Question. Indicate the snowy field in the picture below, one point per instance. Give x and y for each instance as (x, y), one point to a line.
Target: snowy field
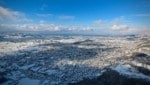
(32, 59)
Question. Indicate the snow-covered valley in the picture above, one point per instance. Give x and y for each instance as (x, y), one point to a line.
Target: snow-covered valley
(27, 59)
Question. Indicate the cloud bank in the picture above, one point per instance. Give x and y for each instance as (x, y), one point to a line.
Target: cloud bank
(42, 27)
(116, 24)
(119, 27)
(11, 20)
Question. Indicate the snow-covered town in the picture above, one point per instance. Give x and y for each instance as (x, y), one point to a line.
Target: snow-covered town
(34, 59)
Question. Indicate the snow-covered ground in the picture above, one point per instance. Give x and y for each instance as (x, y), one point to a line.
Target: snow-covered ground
(32, 59)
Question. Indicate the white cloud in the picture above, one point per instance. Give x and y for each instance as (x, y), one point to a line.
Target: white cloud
(42, 27)
(8, 15)
(99, 22)
(65, 17)
(76, 28)
(44, 15)
(100, 25)
(117, 24)
(29, 27)
(120, 27)
(118, 20)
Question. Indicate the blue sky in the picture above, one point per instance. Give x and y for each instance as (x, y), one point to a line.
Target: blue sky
(75, 15)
